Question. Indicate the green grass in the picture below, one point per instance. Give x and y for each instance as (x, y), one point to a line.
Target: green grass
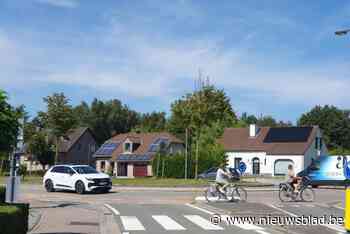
(154, 182)
(146, 182)
(27, 180)
(8, 209)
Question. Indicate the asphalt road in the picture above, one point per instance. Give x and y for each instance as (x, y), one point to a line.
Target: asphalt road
(175, 211)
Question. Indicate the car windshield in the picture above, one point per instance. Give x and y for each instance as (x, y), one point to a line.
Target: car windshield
(85, 170)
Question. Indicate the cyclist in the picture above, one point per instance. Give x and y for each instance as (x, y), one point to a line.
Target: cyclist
(222, 176)
(293, 180)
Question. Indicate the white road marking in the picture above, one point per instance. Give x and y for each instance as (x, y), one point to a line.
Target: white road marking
(167, 223)
(131, 223)
(202, 222)
(242, 226)
(202, 198)
(337, 228)
(201, 209)
(112, 209)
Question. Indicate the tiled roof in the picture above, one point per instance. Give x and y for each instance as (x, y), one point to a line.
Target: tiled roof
(144, 139)
(238, 140)
(71, 137)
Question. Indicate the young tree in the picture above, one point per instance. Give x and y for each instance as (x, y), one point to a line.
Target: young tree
(40, 147)
(198, 110)
(60, 117)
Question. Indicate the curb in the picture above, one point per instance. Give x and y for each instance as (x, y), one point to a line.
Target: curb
(37, 218)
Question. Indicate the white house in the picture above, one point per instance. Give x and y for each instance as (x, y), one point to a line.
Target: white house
(269, 151)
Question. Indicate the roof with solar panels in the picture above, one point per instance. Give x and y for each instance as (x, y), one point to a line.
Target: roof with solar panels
(145, 146)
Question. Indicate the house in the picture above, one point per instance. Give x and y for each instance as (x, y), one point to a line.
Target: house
(131, 154)
(269, 151)
(77, 146)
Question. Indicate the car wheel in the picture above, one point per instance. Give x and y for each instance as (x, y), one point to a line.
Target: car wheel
(49, 186)
(80, 187)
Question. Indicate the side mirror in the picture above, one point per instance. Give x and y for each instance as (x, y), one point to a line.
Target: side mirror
(71, 173)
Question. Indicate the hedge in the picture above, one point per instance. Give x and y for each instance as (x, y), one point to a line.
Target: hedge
(2, 194)
(14, 218)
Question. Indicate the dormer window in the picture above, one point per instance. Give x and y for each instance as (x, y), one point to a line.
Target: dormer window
(127, 147)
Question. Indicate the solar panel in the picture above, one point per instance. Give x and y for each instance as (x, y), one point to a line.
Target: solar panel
(107, 148)
(155, 146)
(292, 134)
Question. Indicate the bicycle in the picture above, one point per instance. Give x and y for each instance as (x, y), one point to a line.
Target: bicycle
(233, 192)
(305, 192)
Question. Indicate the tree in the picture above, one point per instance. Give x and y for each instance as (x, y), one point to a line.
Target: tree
(41, 149)
(8, 124)
(198, 110)
(249, 119)
(60, 116)
(152, 122)
(334, 123)
(8, 128)
(267, 121)
(106, 119)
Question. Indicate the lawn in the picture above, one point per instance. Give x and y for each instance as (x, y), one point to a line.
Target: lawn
(27, 180)
(146, 182)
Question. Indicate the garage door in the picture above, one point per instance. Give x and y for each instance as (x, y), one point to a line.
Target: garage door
(140, 170)
(281, 166)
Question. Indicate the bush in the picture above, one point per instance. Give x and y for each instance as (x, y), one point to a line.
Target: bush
(2, 194)
(22, 170)
(14, 219)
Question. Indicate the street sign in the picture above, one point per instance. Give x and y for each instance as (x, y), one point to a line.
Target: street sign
(346, 167)
(242, 167)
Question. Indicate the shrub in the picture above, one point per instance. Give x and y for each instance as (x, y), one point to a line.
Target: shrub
(22, 170)
(14, 219)
(2, 194)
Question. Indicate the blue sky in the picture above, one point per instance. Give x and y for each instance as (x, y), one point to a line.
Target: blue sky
(276, 58)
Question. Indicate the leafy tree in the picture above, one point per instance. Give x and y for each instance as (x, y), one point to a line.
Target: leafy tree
(59, 116)
(334, 123)
(8, 124)
(249, 119)
(267, 121)
(152, 122)
(106, 119)
(199, 109)
(41, 149)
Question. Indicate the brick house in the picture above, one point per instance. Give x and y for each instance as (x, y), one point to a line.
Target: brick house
(131, 154)
(77, 146)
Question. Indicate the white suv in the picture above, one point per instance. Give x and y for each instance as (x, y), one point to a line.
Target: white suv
(79, 178)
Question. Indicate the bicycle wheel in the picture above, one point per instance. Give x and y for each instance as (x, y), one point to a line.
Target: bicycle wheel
(308, 195)
(211, 194)
(239, 194)
(285, 194)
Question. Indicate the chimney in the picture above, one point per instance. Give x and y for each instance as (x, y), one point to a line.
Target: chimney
(253, 129)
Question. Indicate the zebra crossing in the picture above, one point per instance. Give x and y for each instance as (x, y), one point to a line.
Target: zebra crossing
(132, 223)
(184, 219)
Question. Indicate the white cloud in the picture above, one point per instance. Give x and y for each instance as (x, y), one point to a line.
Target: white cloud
(60, 3)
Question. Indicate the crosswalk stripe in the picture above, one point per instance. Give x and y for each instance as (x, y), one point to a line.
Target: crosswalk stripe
(131, 223)
(167, 223)
(203, 223)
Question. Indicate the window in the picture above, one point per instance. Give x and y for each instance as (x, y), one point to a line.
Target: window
(103, 164)
(58, 169)
(127, 147)
(237, 161)
(321, 142)
(316, 143)
(68, 170)
(79, 146)
(256, 166)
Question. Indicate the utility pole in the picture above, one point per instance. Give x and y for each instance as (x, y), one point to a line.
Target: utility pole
(197, 149)
(186, 153)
